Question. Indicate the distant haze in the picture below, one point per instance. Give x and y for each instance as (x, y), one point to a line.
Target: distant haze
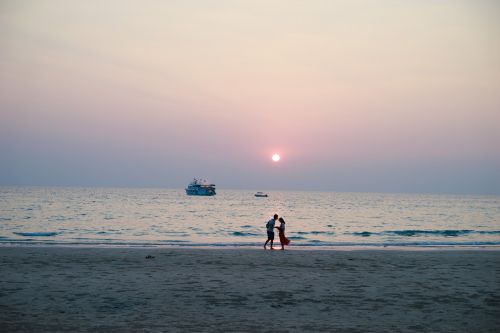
(399, 96)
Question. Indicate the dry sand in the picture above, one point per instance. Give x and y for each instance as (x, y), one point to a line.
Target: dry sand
(45, 289)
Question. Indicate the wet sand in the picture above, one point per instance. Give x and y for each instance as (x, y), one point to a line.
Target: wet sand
(62, 289)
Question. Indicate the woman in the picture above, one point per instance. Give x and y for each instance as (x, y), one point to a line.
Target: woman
(281, 231)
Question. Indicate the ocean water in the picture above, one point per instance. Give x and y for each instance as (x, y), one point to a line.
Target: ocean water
(167, 217)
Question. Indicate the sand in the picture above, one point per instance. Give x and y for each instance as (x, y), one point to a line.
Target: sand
(63, 289)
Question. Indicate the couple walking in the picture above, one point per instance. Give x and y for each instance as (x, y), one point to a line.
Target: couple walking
(281, 232)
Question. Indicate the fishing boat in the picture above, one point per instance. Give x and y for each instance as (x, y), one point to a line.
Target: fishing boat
(261, 195)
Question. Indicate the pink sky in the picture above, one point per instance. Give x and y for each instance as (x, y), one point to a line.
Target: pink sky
(355, 95)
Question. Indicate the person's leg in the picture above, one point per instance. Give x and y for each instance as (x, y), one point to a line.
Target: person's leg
(270, 237)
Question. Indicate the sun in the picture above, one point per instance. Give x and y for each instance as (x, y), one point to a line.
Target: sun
(276, 158)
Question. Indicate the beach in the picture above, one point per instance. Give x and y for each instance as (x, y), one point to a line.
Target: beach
(83, 289)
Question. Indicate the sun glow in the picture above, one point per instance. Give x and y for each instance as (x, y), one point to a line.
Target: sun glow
(276, 157)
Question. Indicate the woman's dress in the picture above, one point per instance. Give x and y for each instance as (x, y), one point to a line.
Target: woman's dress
(283, 239)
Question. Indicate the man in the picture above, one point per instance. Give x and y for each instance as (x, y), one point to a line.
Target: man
(270, 231)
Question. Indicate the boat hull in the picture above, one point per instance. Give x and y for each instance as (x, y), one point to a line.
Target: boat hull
(201, 192)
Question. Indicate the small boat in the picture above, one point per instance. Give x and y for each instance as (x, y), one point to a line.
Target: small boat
(200, 187)
(261, 195)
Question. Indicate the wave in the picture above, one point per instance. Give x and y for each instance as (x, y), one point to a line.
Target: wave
(175, 233)
(36, 234)
(411, 233)
(489, 232)
(175, 241)
(58, 218)
(314, 233)
(244, 234)
(114, 232)
(446, 233)
(363, 234)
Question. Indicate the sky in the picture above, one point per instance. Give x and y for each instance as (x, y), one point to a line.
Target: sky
(376, 96)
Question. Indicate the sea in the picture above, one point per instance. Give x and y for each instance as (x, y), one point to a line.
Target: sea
(156, 217)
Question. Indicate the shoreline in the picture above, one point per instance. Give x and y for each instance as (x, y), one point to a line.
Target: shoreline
(409, 248)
